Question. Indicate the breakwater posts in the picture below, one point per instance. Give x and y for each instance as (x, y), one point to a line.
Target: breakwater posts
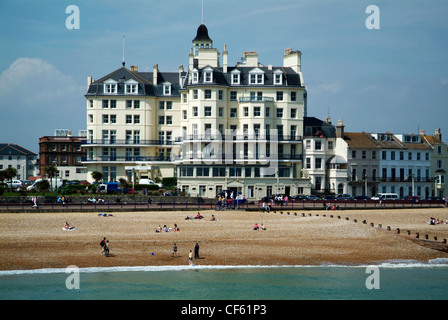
(379, 226)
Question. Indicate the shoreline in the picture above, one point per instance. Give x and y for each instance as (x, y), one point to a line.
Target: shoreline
(36, 241)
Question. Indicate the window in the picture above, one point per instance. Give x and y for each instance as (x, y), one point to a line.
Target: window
(113, 104)
(184, 112)
(110, 87)
(278, 76)
(161, 105)
(293, 113)
(257, 111)
(128, 118)
(195, 94)
(208, 111)
(279, 112)
(220, 94)
(293, 96)
(195, 111)
(136, 118)
(161, 120)
(195, 76)
(131, 88)
(267, 112)
(330, 145)
(167, 89)
(113, 118)
(246, 111)
(308, 163)
(208, 94)
(232, 95)
(317, 145)
(90, 118)
(208, 75)
(136, 104)
(105, 104)
(221, 112)
(257, 78)
(233, 113)
(279, 95)
(169, 119)
(169, 105)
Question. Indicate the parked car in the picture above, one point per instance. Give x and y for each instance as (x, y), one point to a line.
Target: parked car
(312, 197)
(361, 198)
(149, 181)
(385, 196)
(16, 184)
(328, 197)
(299, 197)
(343, 196)
(413, 198)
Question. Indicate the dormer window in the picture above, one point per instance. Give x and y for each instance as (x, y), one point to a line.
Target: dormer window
(208, 75)
(195, 76)
(110, 87)
(131, 87)
(278, 77)
(167, 89)
(256, 76)
(236, 77)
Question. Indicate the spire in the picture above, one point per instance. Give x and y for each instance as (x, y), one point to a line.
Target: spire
(123, 62)
(202, 16)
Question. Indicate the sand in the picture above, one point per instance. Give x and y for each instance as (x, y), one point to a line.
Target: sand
(36, 240)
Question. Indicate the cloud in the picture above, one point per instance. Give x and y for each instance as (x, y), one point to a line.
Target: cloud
(29, 82)
(36, 98)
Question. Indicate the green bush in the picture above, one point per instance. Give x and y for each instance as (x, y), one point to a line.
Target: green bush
(149, 187)
(169, 182)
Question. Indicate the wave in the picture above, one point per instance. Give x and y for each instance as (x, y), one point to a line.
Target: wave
(390, 264)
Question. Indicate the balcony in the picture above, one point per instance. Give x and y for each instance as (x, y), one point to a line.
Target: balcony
(127, 159)
(239, 138)
(125, 142)
(255, 99)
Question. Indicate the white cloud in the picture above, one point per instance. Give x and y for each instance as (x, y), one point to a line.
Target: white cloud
(29, 82)
(35, 99)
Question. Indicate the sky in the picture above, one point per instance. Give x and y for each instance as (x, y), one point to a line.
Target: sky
(390, 78)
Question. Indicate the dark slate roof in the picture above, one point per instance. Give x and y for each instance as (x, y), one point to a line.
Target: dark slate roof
(202, 34)
(290, 79)
(14, 149)
(147, 88)
(144, 79)
(315, 127)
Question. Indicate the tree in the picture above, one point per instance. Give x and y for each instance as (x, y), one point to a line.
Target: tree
(51, 171)
(97, 176)
(9, 174)
(42, 186)
(123, 184)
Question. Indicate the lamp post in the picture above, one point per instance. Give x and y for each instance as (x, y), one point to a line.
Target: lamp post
(412, 184)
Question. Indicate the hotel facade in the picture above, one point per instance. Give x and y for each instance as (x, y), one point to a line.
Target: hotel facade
(213, 126)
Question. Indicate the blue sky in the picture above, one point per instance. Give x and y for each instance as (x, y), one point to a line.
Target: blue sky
(391, 79)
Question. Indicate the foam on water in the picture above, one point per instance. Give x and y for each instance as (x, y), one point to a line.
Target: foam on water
(439, 262)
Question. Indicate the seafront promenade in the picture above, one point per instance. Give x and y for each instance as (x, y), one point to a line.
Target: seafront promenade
(170, 203)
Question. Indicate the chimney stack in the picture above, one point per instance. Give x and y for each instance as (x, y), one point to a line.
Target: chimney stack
(155, 71)
(438, 134)
(340, 129)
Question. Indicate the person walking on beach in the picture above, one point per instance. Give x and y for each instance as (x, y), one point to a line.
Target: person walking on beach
(174, 249)
(106, 248)
(190, 258)
(103, 245)
(196, 251)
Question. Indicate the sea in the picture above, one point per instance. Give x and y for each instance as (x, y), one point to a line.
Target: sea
(391, 280)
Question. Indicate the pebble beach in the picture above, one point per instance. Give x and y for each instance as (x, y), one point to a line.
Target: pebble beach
(37, 240)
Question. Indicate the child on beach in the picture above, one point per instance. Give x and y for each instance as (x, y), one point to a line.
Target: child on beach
(190, 258)
(174, 249)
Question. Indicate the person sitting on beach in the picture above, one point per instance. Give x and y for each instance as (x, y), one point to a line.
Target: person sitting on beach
(262, 227)
(256, 226)
(67, 226)
(165, 228)
(188, 218)
(159, 229)
(176, 229)
(199, 216)
(213, 218)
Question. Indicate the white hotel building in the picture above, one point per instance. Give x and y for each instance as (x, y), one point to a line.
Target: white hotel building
(213, 126)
